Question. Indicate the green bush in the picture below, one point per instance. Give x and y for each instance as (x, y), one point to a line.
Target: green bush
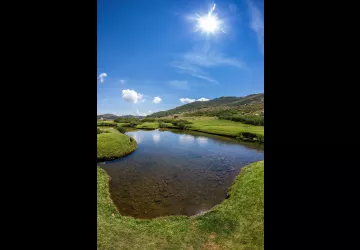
(99, 131)
(133, 124)
(181, 124)
(166, 120)
(176, 122)
(127, 119)
(105, 124)
(253, 120)
(246, 136)
(121, 130)
(162, 125)
(147, 119)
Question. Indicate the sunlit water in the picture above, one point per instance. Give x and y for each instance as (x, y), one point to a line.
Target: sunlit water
(173, 173)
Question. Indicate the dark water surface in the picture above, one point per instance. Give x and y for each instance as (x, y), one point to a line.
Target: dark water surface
(173, 173)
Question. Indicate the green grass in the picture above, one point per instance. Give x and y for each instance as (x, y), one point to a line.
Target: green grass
(236, 223)
(120, 124)
(222, 127)
(113, 145)
(148, 125)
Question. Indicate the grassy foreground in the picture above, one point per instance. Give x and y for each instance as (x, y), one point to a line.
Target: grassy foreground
(236, 223)
(112, 144)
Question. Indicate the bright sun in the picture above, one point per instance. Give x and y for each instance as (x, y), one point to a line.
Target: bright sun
(208, 23)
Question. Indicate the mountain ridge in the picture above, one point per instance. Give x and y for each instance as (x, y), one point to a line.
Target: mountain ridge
(246, 105)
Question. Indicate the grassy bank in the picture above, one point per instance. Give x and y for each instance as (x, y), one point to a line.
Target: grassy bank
(148, 125)
(223, 127)
(237, 223)
(112, 144)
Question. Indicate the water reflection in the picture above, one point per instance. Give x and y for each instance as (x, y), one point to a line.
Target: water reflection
(186, 139)
(138, 137)
(202, 140)
(175, 173)
(156, 137)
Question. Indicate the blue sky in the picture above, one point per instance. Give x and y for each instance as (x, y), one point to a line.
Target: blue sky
(157, 55)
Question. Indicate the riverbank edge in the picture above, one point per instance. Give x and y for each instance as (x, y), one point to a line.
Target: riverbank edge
(120, 154)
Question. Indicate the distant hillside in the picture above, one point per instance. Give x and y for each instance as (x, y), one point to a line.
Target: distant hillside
(113, 117)
(248, 105)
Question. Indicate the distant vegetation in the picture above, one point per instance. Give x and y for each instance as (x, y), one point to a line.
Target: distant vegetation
(126, 119)
(253, 120)
(148, 119)
(106, 124)
(113, 117)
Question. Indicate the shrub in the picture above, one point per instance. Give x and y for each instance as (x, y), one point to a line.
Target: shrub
(253, 120)
(175, 123)
(147, 119)
(121, 130)
(166, 120)
(181, 125)
(106, 124)
(246, 136)
(133, 124)
(162, 125)
(99, 131)
(127, 119)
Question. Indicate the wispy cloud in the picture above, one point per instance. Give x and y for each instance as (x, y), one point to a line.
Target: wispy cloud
(186, 68)
(179, 84)
(212, 59)
(196, 61)
(101, 77)
(122, 81)
(257, 24)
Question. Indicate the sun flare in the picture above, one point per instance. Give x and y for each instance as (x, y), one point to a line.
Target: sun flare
(208, 23)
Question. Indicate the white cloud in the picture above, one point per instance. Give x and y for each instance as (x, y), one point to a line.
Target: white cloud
(156, 137)
(202, 99)
(138, 137)
(186, 139)
(156, 100)
(202, 140)
(188, 100)
(257, 24)
(101, 77)
(122, 81)
(131, 96)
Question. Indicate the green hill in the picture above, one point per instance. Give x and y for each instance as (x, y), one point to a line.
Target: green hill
(247, 105)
